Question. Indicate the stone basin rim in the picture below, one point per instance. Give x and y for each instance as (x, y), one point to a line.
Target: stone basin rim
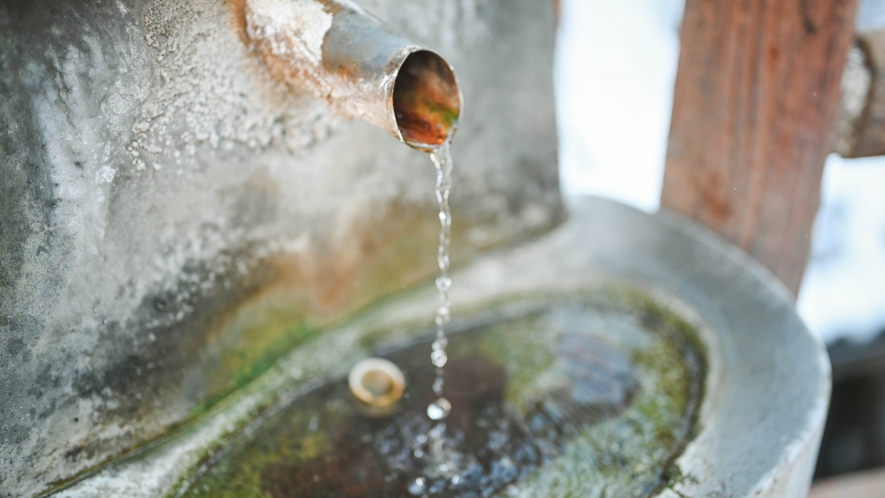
(761, 358)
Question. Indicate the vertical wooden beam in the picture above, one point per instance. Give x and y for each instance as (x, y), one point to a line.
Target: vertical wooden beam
(757, 94)
(868, 137)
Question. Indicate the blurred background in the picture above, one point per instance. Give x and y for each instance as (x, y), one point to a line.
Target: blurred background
(615, 73)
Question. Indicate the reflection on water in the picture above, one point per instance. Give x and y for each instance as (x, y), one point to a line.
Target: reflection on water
(531, 397)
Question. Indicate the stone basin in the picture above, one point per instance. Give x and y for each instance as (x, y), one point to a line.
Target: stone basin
(681, 320)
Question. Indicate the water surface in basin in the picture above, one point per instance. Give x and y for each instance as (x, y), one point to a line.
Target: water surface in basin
(576, 397)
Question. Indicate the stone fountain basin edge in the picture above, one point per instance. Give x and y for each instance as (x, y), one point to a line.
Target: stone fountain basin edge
(766, 390)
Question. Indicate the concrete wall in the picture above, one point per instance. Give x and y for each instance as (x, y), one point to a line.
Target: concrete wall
(154, 177)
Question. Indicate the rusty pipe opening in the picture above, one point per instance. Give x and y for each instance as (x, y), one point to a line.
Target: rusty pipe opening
(357, 65)
(426, 100)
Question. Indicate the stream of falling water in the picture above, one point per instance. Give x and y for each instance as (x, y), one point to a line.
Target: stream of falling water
(433, 445)
(442, 159)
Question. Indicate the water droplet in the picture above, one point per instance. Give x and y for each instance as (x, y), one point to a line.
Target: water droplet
(443, 283)
(418, 486)
(440, 343)
(439, 409)
(438, 384)
(437, 430)
(439, 358)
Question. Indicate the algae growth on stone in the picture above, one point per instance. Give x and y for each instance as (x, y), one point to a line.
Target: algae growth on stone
(577, 396)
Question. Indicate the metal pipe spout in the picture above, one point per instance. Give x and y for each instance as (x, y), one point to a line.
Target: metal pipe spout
(359, 66)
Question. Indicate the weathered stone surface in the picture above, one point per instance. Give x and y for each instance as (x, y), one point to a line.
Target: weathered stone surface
(765, 390)
(153, 176)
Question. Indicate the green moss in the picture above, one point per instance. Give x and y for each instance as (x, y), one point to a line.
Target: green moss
(524, 349)
(243, 476)
(675, 476)
(652, 432)
(630, 452)
(244, 365)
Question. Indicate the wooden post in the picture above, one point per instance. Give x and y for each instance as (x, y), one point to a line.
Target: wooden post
(867, 136)
(756, 99)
